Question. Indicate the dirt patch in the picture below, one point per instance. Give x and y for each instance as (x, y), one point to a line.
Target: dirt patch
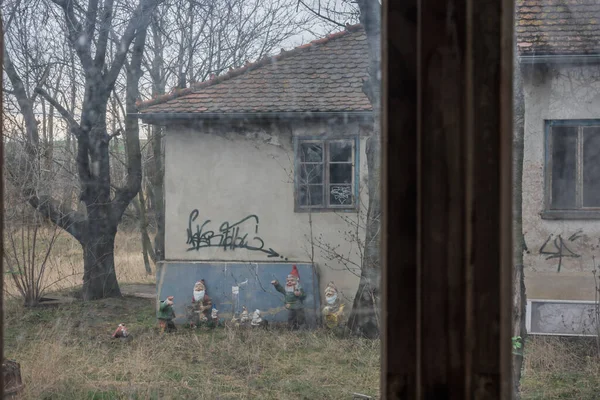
(143, 290)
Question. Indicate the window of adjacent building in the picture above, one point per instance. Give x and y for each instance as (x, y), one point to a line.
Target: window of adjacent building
(573, 169)
(326, 174)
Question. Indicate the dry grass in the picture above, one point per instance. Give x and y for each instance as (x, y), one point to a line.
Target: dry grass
(65, 268)
(68, 354)
(561, 368)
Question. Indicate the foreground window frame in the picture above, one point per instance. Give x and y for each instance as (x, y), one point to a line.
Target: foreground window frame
(578, 210)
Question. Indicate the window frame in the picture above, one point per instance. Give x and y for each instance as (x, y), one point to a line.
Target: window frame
(326, 207)
(580, 212)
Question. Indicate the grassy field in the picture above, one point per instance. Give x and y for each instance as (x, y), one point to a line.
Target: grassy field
(561, 368)
(65, 265)
(67, 352)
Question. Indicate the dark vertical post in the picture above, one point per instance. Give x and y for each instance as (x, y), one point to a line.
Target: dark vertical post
(399, 174)
(447, 140)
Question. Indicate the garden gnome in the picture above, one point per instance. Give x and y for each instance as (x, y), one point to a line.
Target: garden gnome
(214, 317)
(334, 308)
(294, 295)
(166, 314)
(244, 318)
(201, 306)
(120, 332)
(257, 319)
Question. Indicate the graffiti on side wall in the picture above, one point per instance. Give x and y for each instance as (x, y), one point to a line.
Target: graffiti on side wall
(555, 247)
(229, 236)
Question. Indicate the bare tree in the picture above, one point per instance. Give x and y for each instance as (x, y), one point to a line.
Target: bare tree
(363, 318)
(88, 32)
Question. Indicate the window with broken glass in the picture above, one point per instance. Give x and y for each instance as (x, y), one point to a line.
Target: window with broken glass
(572, 172)
(325, 174)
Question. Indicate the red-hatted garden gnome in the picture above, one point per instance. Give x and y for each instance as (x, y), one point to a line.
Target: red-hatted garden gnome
(120, 332)
(334, 308)
(200, 309)
(166, 314)
(294, 297)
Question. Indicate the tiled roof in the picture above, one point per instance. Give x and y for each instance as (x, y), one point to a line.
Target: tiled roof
(324, 75)
(558, 27)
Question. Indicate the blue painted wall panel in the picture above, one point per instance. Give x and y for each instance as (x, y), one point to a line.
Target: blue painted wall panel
(254, 282)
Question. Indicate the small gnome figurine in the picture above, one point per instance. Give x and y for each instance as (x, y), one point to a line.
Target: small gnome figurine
(257, 320)
(334, 308)
(214, 317)
(200, 309)
(120, 332)
(166, 314)
(244, 318)
(294, 296)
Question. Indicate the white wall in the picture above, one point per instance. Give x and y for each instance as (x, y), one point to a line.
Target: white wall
(228, 173)
(558, 92)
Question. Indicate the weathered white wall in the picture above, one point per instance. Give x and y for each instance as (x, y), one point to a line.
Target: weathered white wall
(558, 92)
(228, 173)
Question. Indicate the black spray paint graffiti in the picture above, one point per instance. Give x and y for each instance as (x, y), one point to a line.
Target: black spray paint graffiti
(228, 237)
(560, 250)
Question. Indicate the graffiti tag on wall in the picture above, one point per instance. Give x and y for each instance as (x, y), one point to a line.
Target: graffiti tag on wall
(229, 236)
(558, 248)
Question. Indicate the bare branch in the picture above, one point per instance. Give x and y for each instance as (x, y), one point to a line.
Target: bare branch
(318, 14)
(137, 26)
(65, 114)
(78, 37)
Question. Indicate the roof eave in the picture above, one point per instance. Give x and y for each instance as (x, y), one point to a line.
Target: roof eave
(157, 118)
(560, 59)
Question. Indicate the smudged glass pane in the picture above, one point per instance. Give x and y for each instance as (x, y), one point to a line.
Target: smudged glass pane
(311, 152)
(340, 173)
(312, 197)
(591, 167)
(564, 167)
(340, 195)
(340, 151)
(311, 173)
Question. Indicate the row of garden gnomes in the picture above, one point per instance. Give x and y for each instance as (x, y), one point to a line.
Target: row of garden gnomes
(202, 311)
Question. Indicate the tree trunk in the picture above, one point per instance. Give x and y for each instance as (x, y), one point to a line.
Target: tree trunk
(157, 194)
(364, 317)
(99, 278)
(519, 296)
(140, 208)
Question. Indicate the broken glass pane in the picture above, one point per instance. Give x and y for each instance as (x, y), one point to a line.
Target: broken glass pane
(564, 167)
(311, 152)
(340, 173)
(591, 167)
(340, 195)
(340, 151)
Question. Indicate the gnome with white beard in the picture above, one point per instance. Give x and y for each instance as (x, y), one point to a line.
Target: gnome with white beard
(294, 297)
(200, 309)
(257, 320)
(334, 308)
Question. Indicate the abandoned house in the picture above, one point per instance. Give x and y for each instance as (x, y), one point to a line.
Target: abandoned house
(265, 168)
(559, 55)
